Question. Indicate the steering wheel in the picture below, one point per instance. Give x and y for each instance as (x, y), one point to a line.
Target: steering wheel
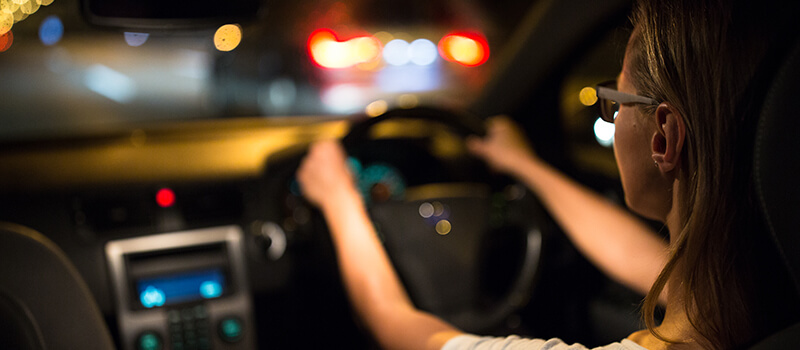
(444, 239)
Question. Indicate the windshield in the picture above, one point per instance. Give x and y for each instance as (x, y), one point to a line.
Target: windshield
(62, 76)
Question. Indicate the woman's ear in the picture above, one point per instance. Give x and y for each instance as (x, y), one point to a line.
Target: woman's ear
(668, 138)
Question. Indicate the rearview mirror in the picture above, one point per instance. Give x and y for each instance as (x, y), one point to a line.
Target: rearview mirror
(168, 14)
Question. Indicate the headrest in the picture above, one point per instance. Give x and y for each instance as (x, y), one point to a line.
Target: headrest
(777, 161)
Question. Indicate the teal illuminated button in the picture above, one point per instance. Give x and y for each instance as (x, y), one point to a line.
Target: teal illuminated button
(152, 296)
(149, 341)
(210, 289)
(230, 329)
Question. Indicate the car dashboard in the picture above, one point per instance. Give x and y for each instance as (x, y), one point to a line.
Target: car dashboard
(199, 234)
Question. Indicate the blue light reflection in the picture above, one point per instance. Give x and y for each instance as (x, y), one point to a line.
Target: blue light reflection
(136, 39)
(409, 78)
(110, 83)
(51, 30)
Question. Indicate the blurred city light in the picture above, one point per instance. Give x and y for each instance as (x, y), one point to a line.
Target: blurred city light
(9, 6)
(51, 30)
(29, 7)
(110, 83)
(409, 78)
(377, 108)
(277, 96)
(407, 101)
(396, 52)
(588, 96)
(14, 11)
(443, 227)
(423, 52)
(136, 39)
(468, 49)
(604, 132)
(228, 37)
(326, 50)
(343, 98)
(6, 40)
(6, 21)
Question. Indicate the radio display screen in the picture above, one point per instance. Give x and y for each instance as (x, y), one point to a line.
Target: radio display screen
(182, 287)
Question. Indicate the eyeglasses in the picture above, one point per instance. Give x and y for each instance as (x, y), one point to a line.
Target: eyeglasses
(611, 99)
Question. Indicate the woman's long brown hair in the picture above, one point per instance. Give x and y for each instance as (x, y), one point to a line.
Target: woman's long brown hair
(701, 56)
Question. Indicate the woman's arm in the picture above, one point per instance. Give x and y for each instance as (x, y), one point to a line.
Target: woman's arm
(369, 277)
(616, 241)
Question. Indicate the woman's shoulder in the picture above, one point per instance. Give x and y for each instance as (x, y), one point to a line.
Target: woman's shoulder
(513, 342)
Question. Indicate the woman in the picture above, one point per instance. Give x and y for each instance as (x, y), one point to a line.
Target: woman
(683, 145)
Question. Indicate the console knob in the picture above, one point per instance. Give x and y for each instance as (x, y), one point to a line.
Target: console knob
(231, 330)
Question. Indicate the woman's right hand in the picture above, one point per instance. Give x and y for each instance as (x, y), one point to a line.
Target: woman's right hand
(324, 175)
(504, 147)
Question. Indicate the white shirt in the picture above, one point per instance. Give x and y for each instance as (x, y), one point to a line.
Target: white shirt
(473, 342)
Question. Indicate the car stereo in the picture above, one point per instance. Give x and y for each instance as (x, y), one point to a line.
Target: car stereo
(182, 290)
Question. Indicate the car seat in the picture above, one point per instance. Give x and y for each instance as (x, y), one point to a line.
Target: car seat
(777, 172)
(44, 302)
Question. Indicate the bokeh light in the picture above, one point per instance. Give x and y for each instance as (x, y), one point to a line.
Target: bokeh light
(29, 7)
(19, 15)
(443, 227)
(14, 11)
(6, 21)
(165, 197)
(8, 6)
(327, 51)
(426, 210)
(343, 98)
(396, 52)
(377, 108)
(6, 40)
(110, 83)
(136, 39)
(228, 37)
(407, 101)
(383, 37)
(604, 132)
(51, 30)
(423, 52)
(588, 96)
(468, 49)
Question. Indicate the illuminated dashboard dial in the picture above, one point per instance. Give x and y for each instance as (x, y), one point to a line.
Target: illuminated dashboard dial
(378, 182)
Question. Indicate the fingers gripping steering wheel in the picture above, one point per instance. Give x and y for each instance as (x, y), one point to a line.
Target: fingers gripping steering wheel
(443, 243)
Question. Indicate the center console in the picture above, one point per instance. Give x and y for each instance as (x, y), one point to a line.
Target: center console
(183, 290)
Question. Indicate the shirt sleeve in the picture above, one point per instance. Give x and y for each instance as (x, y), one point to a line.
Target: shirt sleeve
(473, 342)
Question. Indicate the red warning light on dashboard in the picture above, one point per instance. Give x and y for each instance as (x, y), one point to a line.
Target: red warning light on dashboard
(466, 48)
(165, 198)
